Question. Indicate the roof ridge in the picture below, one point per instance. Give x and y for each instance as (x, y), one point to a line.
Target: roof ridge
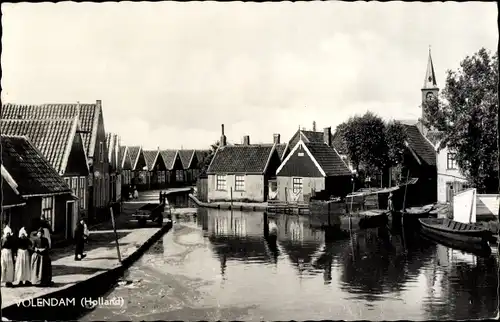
(69, 119)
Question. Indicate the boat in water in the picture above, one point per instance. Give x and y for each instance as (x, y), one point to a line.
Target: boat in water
(481, 250)
(456, 233)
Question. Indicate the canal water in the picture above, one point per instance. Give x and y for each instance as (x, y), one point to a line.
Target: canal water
(222, 265)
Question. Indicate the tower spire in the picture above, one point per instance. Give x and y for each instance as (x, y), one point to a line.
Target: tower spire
(430, 75)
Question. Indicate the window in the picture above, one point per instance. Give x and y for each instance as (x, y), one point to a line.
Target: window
(221, 182)
(297, 185)
(68, 181)
(48, 210)
(74, 188)
(81, 187)
(450, 162)
(239, 182)
(101, 152)
(179, 175)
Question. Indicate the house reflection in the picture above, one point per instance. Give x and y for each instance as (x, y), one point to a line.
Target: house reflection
(299, 241)
(236, 235)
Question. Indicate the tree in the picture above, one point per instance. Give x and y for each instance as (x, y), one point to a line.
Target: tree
(207, 157)
(395, 137)
(366, 143)
(466, 114)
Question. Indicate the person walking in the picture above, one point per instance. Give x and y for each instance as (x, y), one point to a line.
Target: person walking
(7, 258)
(41, 265)
(79, 240)
(23, 261)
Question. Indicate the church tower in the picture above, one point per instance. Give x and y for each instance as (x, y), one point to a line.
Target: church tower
(430, 90)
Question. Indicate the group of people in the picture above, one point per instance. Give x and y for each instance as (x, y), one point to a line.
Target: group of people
(25, 260)
(31, 264)
(132, 193)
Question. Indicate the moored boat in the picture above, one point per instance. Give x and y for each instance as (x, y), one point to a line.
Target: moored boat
(455, 231)
(373, 218)
(478, 249)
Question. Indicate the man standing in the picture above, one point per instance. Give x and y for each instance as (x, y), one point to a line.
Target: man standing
(79, 240)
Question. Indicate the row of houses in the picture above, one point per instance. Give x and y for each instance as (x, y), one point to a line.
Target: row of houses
(314, 163)
(58, 161)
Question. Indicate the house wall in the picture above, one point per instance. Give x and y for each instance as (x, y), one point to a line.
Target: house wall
(100, 184)
(24, 216)
(60, 215)
(285, 187)
(300, 165)
(447, 177)
(254, 188)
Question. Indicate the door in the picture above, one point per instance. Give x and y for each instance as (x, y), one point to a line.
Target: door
(69, 231)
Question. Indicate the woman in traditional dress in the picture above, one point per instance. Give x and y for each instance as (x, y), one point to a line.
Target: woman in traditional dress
(23, 260)
(7, 258)
(136, 193)
(47, 230)
(41, 266)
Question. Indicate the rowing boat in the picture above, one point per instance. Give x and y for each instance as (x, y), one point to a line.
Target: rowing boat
(455, 231)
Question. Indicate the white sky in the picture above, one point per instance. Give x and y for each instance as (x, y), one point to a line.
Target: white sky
(170, 73)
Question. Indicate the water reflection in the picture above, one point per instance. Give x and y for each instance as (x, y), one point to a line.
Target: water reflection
(309, 268)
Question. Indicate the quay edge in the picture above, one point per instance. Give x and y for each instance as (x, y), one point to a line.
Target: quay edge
(93, 287)
(227, 205)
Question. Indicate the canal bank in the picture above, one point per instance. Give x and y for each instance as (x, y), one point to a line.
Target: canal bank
(228, 205)
(90, 278)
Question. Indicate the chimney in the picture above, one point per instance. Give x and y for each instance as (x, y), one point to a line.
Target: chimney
(246, 140)
(222, 137)
(276, 137)
(327, 136)
(98, 103)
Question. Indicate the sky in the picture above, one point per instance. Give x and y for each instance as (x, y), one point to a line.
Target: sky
(170, 73)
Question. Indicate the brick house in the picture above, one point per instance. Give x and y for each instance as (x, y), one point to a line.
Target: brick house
(91, 122)
(60, 142)
(242, 172)
(29, 178)
(310, 168)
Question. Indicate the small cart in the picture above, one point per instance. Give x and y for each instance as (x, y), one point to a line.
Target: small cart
(150, 211)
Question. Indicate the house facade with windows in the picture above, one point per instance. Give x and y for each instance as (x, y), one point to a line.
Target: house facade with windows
(33, 188)
(156, 169)
(313, 168)
(139, 168)
(91, 122)
(242, 172)
(126, 170)
(115, 185)
(190, 164)
(449, 177)
(60, 142)
(175, 169)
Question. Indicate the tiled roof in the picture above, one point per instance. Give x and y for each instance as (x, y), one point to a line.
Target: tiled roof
(150, 157)
(435, 136)
(109, 142)
(241, 159)
(87, 114)
(281, 149)
(328, 159)
(186, 157)
(10, 196)
(28, 167)
(200, 154)
(417, 142)
(133, 152)
(168, 157)
(308, 136)
(54, 138)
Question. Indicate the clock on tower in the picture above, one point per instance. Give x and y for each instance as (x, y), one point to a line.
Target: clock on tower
(429, 96)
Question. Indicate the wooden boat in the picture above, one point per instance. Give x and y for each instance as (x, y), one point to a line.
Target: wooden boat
(478, 249)
(373, 218)
(332, 206)
(455, 231)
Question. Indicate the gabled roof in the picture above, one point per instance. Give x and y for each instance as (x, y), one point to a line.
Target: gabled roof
(134, 153)
(186, 157)
(150, 156)
(31, 171)
(326, 159)
(169, 157)
(116, 148)
(110, 144)
(282, 150)
(200, 154)
(241, 159)
(314, 136)
(420, 145)
(53, 137)
(88, 117)
(124, 156)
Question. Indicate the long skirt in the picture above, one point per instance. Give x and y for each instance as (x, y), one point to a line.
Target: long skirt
(41, 269)
(46, 234)
(7, 266)
(23, 266)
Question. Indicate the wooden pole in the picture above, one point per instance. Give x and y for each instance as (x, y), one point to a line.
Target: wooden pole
(231, 198)
(1, 227)
(116, 235)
